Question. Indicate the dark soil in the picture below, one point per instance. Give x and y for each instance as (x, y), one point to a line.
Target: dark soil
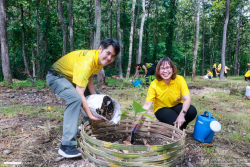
(118, 138)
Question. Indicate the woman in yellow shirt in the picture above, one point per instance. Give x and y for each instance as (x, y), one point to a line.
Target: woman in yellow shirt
(170, 96)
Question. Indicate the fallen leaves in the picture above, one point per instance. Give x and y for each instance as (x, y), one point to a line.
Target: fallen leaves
(43, 140)
(206, 145)
(51, 107)
(126, 143)
(25, 135)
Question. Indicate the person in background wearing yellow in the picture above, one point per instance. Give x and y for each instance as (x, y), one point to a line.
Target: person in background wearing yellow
(149, 69)
(209, 74)
(225, 73)
(214, 69)
(170, 97)
(71, 78)
(247, 75)
(219, 67)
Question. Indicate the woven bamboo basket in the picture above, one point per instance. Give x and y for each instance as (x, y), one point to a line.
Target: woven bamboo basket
(103, 153)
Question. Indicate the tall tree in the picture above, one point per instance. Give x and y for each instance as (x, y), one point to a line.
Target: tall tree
(111, 20)
(91, 25)
(4, 43)
(141, 32)
(120, 41)
(171, 25)
(98, 16)
(38, 39)
(32, 48)
(46, 29)
(224, 41)
(23, 44)
(196, 40)
(237, 47)
(71, 25)
(64, 30)
(131, 39)
(203, 39)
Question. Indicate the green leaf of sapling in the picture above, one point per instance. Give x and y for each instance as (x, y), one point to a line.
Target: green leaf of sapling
(137, 108)
(149, 116)
(143, 94)
(141, 121)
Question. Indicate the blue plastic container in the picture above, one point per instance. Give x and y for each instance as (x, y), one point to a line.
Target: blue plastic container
(202, 130)
(137, 83)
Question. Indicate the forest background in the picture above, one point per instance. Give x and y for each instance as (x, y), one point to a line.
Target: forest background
(36, 33)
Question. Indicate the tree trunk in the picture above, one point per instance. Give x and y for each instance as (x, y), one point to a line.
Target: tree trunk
(224, 41)
(57, 17)
(111, 7)
(38, 39)
(237, 47)
(98, 16)
(196, 40)
(131, 39)
(23, 45)
(46, 30)
(141, 31)
(155, 34)
(91, 23)
(64, 29)
(98, 23)
(203, 39)
(71, 26)
(120, 41)
(4, 44)
(171, 28)
(32, 49)
(136, 33)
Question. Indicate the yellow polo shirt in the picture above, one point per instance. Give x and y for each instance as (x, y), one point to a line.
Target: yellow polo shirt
(214, 66)
(219, 67)
(247, 74)
(226, 68)
(164, 95)
(209, 73)
(78, 66)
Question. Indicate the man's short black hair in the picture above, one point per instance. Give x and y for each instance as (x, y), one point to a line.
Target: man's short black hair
(109, 41)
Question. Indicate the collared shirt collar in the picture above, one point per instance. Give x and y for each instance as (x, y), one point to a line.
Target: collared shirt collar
(171, 82)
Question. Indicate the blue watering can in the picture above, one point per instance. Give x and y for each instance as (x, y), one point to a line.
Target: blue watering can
(205, 127)
(137, 83)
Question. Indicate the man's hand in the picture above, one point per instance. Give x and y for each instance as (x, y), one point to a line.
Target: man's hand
(96, 119)
(180, 120)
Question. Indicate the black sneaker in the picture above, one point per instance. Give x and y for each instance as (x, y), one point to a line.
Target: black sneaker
(69, 151)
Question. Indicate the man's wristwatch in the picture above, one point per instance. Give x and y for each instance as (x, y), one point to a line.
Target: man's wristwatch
(185, 112)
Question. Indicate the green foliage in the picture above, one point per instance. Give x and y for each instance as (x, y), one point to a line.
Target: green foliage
(168, 31)
(137, 110)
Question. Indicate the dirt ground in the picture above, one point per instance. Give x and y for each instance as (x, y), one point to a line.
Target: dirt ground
(34, 139)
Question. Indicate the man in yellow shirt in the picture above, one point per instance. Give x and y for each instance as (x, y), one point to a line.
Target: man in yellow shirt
(170, 97)
(214, 69)
(71, 78)
(226, 68)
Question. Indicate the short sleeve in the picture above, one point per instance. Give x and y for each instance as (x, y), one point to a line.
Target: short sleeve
(151, 93)
(184, 87)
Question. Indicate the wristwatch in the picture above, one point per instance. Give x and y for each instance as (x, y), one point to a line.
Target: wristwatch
(185, 112)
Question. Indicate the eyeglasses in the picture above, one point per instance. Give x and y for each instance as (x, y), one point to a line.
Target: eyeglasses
(165, 68)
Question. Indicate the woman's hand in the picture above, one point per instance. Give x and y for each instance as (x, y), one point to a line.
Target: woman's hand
(180, 120)
(136, 124)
